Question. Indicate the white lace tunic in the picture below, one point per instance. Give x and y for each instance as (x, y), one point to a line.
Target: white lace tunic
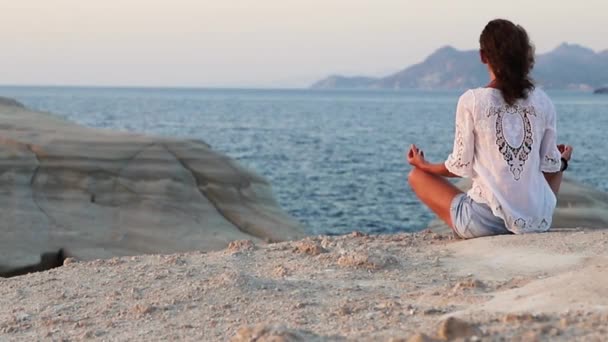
(504, 150)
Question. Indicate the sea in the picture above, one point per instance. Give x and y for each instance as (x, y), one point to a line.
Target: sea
(335, 159)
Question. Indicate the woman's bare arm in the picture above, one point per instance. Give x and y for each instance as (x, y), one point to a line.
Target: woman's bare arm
(438, 169)
(554, 180)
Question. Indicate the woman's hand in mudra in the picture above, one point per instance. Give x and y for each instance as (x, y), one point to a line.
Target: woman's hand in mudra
(415, 157)
(566, 151)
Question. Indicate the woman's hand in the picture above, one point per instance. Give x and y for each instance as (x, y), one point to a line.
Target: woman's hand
(415, 157)
(566, 151)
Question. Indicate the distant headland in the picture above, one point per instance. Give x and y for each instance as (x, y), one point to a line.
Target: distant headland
(569, 66)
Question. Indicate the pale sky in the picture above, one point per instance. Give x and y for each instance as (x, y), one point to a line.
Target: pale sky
(259, 43)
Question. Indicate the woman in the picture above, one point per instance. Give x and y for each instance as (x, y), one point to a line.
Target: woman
(505, 142)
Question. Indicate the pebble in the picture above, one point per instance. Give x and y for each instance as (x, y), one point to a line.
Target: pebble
(453, 328)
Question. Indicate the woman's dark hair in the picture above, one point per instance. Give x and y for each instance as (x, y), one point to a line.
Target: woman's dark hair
(508, 50)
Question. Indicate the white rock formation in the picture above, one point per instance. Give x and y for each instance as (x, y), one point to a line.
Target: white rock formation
(98, 194)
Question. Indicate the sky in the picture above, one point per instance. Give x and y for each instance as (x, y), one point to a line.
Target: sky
(259, 43)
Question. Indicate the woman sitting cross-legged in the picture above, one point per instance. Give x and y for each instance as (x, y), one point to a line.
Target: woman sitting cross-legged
(505, 142)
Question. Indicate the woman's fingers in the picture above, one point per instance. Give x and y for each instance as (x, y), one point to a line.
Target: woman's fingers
(567, 152)
(413, 151)
(413, 155)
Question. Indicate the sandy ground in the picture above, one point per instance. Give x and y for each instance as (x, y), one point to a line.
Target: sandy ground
(551, 286)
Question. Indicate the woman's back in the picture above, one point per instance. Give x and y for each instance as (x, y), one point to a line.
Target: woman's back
(505, 142)
(505, 149)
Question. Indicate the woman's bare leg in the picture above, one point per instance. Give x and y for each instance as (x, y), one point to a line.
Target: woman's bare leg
(435, 192)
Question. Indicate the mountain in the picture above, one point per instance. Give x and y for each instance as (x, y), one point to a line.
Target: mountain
(572, 66)
(569, 66)
(446, 68)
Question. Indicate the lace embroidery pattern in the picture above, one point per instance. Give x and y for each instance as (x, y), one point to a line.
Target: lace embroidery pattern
(457, 160)
(522, 224)
(515, 156)
(552, 161)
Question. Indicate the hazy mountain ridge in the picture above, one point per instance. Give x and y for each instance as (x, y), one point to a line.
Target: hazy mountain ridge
(569, 66)
(337, 81)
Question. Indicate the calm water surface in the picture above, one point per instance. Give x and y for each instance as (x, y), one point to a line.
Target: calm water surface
(335, 158)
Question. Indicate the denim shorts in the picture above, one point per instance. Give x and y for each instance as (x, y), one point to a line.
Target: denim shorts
(472, 219)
